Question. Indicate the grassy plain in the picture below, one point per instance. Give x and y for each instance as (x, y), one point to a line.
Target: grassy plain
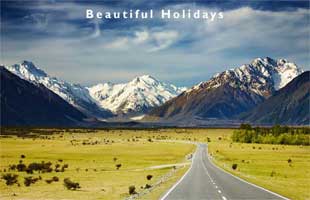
(92, 166)
(284, 169)
(137, 150)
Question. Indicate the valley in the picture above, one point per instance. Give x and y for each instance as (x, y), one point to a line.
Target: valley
(93, 157)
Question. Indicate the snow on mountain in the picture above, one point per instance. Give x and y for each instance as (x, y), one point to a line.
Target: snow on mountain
(75, 94)
(263, 76)
(228, 94)
(139, 95)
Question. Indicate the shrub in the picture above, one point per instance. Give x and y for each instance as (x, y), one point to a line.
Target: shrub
(147, 186)
(149, 177)
(55, 179)
(132, 190)
(21, 167)
(10, 179)
(70, 185)
(118, 166)
(12, 167)
(48, 181)
(29, 180)
(289, 160)
(234, 166)
(22, 156)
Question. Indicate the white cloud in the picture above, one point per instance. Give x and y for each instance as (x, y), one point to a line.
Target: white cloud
(140, 37)
(172, 50)
(120, 44)
(164, 40)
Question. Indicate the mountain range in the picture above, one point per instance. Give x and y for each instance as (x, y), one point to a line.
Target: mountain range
(289, 105)
(27, 104)
(231, 96)
(138, 96)
(102, 100)
(229, 93)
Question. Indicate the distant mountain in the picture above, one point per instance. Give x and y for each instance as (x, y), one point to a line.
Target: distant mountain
(26, 104)
(231, 92)
(290, 105)
(138, 96)
(75, 94)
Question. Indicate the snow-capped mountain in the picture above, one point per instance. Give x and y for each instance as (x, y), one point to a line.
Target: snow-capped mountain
(231, 92)
(263, 76)
(75, 94)
(136, 96)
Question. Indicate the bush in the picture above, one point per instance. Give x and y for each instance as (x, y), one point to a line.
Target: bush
(22, 156)
(29, 180)
(48, 181)
(10, 179)
(70, 185)
(132, 190)
(21, 167)
(12, 167)
(147, 186)
(149, 177)
(289, 160)
(43, 167)
(118, 166)
(55, 179)
(234, 166)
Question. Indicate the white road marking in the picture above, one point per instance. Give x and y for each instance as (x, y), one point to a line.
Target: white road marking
(219, 191)
(224, 198)
(216, 187)
(177, 183)
(240, 179)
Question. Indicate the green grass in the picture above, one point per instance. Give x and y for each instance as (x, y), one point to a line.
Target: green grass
(267, 166)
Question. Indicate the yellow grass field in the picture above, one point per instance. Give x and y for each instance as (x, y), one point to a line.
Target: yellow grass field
(92, 158)
(92, 166)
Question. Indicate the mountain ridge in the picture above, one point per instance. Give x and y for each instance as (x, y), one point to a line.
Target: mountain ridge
(231, 92)
(289, 105)
(138, 95)
(102, 100)
(26, 104)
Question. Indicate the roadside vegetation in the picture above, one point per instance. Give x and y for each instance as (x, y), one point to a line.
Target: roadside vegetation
(81, 163)
(280, 166)
(274, 135)
(117, 163)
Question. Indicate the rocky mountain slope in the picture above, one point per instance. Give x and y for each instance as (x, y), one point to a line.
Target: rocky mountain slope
(137, 96)
(231, 92)
(74, 94)
(26, 104)
(290, 105)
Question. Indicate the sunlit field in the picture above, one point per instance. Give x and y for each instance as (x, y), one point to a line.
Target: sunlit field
(106, 163)
(284, 169)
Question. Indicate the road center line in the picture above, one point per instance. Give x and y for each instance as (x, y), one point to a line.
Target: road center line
(224, 198)
(219, 191)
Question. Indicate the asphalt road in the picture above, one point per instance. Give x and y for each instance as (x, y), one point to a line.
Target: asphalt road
(206, 181)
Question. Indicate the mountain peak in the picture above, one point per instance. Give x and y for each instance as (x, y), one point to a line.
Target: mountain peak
(138, 95)
(26, 69)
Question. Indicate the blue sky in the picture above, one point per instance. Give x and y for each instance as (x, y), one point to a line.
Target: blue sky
(57, 37)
